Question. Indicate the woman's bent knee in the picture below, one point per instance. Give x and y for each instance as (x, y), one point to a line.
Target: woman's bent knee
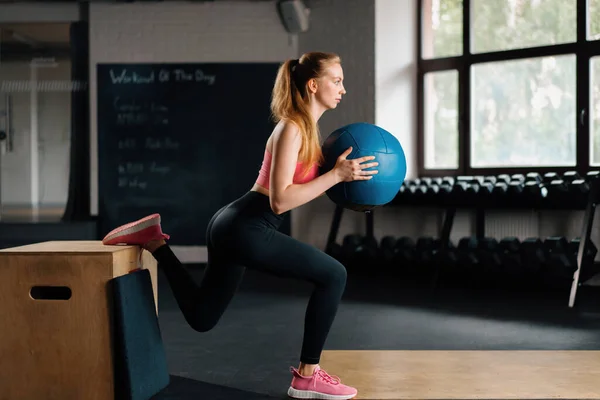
(335, 273)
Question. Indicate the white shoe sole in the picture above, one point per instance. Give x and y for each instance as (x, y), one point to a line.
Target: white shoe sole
(309, 394)
(133, 227)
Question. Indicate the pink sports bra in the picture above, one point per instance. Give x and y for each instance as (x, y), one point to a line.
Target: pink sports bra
(299, 177)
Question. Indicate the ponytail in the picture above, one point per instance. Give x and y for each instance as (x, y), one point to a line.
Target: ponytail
(289, 101)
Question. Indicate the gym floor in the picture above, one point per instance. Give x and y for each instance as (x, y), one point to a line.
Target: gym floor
(248, 354)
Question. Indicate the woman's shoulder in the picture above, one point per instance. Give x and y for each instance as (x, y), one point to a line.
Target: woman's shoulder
(286, 134)
(289, 124)
(287, 128)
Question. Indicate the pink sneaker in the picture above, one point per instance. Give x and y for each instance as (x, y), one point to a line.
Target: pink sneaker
(138, 232)
(320, 385)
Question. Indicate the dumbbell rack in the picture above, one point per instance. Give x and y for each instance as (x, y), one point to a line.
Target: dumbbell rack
(534, 198)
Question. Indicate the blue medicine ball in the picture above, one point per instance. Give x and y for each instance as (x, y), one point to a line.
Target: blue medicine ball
(366, 140)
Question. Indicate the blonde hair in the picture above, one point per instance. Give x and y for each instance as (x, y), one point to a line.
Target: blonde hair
(289, 100)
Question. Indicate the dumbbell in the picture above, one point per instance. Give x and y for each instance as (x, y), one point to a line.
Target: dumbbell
(499, 190)
(515, 187)
(535, 191)
(490, 254)
(350, 243)
(505, 178)
(472, 189)
(404, 195)
(579, 187)
(438, 180)
(534, 177)
(470, 179)
(400, 196)
(550, 176)
(448, 180)
(592, 175)
(459, 191)
(368, 251)
(510, 250)
(570, 176)
(491, 179)
(558, 191)
(517, 177)
(358, 250)
(485, 189)
(387, 250)
(489, 263)
(444, 191)
(462, 262)
(472, 192)
(425, 250)
(418, 190)
(592, 250)
(572, 190)
(447, 257)
(437, 192)
(404, 251)
(533, 256)
(559, 263)
(466, 251)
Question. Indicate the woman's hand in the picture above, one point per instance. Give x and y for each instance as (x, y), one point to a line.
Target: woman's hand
(353, 170)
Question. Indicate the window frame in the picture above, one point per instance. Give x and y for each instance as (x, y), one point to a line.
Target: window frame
(583, 50)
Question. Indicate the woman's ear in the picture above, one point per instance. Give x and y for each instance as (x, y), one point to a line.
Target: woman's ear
(312, 85)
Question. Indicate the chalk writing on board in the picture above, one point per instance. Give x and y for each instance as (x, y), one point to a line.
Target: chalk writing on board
(131, 168)
(181, 75)
(160, 144)
(123, 76)
(127, 144)
(130, 77)
(137, 119)
(136, 112)
(136, 104)
(133, 183)
(159, 169)
(131, 173)
(139, 167)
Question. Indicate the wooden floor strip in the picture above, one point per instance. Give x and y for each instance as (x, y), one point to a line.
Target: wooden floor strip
(467, 374)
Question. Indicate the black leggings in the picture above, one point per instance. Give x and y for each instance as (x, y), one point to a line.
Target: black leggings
(244, 235)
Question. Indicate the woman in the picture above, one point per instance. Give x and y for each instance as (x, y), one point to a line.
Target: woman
(244, 234)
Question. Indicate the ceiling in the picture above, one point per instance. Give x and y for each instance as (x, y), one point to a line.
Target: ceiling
(35, 33)
(41, 33)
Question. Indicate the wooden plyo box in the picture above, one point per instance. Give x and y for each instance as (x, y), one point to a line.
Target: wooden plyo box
(56, 333)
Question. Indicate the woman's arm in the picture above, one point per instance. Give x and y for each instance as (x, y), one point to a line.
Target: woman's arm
(284, 194)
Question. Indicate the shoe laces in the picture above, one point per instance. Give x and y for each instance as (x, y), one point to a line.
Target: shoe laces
(325, 377)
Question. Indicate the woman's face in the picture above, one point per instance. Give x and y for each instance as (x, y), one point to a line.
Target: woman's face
(330, 86)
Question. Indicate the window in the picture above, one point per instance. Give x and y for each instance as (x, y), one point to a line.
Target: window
(443, 29)
(593, 20)
(523, 113)
(441, 119)
(508, 86)
(517, 24)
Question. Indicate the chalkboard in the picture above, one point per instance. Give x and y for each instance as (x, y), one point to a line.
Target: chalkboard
(182, 140)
